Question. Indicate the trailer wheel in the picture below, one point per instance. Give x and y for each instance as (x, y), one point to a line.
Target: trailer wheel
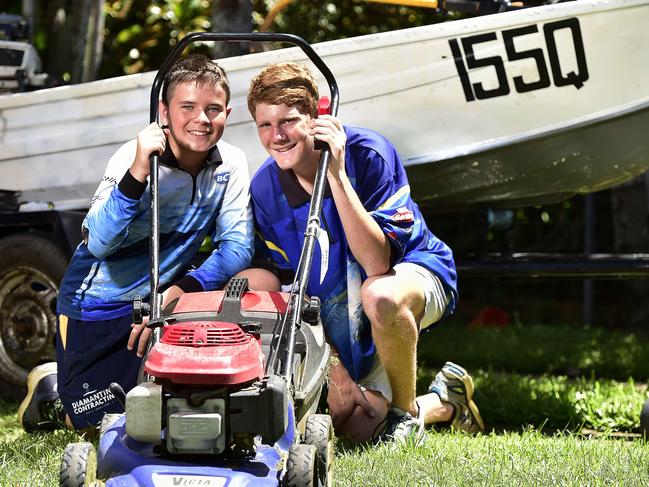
(319, 432)
(78, 465)
(644, 419)
(31, 268)
(302, 468)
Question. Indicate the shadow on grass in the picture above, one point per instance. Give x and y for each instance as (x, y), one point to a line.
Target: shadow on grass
(539, 349)
(553, 403)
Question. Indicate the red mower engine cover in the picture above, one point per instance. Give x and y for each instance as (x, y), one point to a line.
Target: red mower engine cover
(218, 351)
(210, 353)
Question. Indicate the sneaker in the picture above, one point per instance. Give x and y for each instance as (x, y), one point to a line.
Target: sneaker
(42, 410)
(400, 425)
(455, 386)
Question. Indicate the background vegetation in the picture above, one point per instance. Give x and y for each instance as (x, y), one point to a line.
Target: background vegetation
(137, 34)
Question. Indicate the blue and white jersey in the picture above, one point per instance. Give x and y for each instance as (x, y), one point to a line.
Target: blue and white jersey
(111, 266)
(281, 209)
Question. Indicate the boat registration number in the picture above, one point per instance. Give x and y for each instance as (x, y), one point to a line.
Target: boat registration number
(558, 39)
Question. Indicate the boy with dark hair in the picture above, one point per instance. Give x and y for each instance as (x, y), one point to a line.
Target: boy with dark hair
(383, 275)
(203, 190)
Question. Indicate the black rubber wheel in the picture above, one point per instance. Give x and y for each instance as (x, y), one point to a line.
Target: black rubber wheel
(302, 467)
(78, 465)
(31, 269)
(644, 420)
(319, 432)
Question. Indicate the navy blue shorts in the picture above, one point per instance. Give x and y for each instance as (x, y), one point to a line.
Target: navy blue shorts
(90, 355)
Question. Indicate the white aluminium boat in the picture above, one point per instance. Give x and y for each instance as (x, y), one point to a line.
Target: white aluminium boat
(523, 107)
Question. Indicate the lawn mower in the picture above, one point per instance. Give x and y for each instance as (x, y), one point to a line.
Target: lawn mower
(231, 379)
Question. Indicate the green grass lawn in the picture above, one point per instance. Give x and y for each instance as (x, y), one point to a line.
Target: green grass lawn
(554, 402)
(504, 459)
(546, 427)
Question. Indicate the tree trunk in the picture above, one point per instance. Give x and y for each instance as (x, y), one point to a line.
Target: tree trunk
(28, 13)
(69, 28)
(231, 16)
(80, 17)
(56, 60)
(94, 41)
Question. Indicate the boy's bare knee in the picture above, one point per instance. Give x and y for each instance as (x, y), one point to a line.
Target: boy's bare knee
(260, 279)
(380, 305)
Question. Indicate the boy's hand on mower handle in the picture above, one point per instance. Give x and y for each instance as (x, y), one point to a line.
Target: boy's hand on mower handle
(139, 331)
(345, 395)
(329, 130)
(152, 139)
(140, 334)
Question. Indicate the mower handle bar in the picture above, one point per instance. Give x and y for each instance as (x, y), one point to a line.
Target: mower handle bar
(303, 270)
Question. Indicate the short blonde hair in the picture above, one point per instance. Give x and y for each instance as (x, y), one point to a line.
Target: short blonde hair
(284, 83)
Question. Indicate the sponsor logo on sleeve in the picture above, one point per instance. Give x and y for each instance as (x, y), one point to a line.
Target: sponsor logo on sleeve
(222, 177)
(403, 214)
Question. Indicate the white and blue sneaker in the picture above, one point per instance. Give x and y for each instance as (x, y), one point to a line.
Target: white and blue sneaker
(401, 427)
(454, 385)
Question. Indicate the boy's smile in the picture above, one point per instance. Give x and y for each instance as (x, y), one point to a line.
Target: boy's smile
(285, 133)
(196, 116)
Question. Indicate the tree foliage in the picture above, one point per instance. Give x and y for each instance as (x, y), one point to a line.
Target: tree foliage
(138, 34)
(319, 21)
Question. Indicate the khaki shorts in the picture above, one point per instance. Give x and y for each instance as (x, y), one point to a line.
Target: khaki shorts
(436, 302)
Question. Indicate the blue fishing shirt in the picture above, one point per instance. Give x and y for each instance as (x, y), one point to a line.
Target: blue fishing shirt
(281, 209)
(111, 266)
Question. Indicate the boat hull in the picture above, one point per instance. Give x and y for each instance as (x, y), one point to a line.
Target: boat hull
(545, 169)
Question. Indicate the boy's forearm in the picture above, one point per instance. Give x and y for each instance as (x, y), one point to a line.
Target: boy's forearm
(366, 240)
(108, 219)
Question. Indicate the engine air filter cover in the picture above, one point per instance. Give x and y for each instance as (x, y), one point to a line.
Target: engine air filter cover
(210, 353)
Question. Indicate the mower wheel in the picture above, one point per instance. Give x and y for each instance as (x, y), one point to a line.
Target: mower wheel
(644, 419)
(302, 468)
(78, 465)
(319, 432)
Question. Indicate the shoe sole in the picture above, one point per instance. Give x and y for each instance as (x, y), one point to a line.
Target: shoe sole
(33, 379)
(467, 380)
